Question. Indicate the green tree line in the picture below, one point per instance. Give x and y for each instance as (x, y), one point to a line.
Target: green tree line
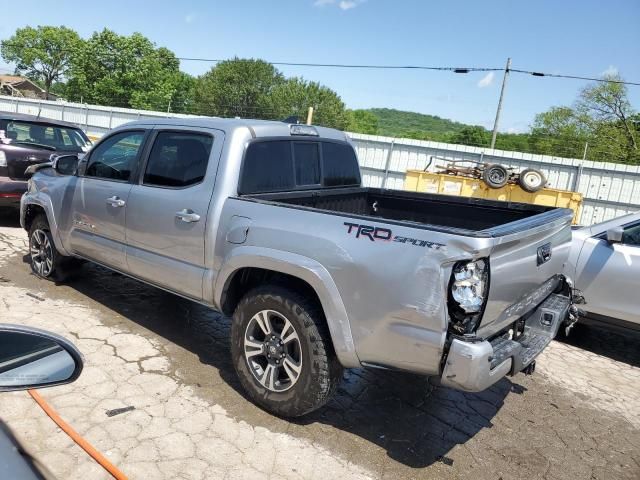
(132, 72)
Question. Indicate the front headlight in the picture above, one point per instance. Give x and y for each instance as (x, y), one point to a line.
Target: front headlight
(469, 285)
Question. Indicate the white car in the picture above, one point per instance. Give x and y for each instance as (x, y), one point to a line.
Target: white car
(605, 265)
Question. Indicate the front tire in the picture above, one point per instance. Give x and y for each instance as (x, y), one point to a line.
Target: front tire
(46, 261)
(282, 352)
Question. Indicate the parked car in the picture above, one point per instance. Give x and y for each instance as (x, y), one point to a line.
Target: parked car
(605, 263)
(269, 222)
(27, 140)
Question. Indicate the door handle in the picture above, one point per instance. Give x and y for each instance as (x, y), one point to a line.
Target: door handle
(116, 201)
(188, 216)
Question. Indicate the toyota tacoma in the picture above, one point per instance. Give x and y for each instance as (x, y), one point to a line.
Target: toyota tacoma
(269, 223)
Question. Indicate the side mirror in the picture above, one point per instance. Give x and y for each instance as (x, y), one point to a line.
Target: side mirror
(614, 235)
(65, 164)
(33, 358)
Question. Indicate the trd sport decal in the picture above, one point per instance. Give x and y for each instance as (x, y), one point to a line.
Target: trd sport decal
(386, 235)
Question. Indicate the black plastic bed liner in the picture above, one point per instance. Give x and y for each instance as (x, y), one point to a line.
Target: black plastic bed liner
(451, 212)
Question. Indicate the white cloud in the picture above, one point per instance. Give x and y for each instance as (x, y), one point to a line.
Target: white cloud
(342, 4)
(611, 71)
(190, 17)
(487, 80)
(347, 4)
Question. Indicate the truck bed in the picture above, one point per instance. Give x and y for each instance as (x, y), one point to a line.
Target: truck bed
(461, 215)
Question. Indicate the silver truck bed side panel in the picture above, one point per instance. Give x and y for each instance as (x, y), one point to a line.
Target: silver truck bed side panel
(394, 292)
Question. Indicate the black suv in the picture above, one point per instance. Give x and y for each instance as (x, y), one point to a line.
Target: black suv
(26, 140)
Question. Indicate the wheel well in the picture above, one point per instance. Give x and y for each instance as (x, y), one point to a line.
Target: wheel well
(247, 278)
(32, 211)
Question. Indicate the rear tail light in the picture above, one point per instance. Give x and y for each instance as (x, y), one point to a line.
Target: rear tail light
(468, 290)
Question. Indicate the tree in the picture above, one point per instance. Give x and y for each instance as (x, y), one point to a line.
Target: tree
(124, 71)
(43, 54)
(608, 102)
(560, 131)
(472, 135)
(295, 95)
(238, 87)
(602, 119)
(362, 121)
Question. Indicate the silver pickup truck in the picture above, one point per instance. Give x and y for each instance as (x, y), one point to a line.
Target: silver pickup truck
(268, 222)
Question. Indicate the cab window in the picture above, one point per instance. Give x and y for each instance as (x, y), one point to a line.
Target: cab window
(178, 159)
(282, 165)
(116, 157)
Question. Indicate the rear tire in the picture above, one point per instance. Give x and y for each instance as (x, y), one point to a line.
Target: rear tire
(46, 261)
(495, 176)
(282, 351)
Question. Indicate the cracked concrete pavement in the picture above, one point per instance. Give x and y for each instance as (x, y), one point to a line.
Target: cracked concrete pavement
(578, 417)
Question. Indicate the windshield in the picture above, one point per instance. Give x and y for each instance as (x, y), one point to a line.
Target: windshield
(47, 136)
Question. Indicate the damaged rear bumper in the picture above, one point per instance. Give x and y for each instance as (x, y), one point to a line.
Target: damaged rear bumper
(473, 366)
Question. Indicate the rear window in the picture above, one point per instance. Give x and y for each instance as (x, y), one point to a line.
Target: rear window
(307, 162)
(52, 137)
(339, 165)
(268, 167)
(281, 165)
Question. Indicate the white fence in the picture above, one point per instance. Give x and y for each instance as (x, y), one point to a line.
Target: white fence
(609, 189)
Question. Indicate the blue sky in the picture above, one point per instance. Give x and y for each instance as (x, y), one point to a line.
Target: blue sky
(584, 37)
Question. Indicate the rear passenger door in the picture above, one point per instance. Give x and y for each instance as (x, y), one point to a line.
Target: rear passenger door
(168, 206)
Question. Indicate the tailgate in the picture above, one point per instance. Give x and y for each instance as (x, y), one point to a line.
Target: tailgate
(526, 262)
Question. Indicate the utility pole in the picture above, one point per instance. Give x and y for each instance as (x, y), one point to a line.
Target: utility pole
(310, 116)
(504, 83)
(586, 146)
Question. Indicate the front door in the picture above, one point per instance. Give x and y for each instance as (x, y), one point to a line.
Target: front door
(167, 209)
(101, 196)
(608, 274)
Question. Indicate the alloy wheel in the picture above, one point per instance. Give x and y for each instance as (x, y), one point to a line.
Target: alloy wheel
(41, 253)
(273, 351)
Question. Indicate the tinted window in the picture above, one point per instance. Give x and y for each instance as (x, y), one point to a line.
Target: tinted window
(631, 235)
(339, 165)
(267, 167)
(58, 138)
(307, 160)
(273, 166)
(178, 159)
(116, 157)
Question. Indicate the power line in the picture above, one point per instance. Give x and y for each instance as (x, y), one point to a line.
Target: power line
(363, 66)
(423, 67)
(573, 77)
